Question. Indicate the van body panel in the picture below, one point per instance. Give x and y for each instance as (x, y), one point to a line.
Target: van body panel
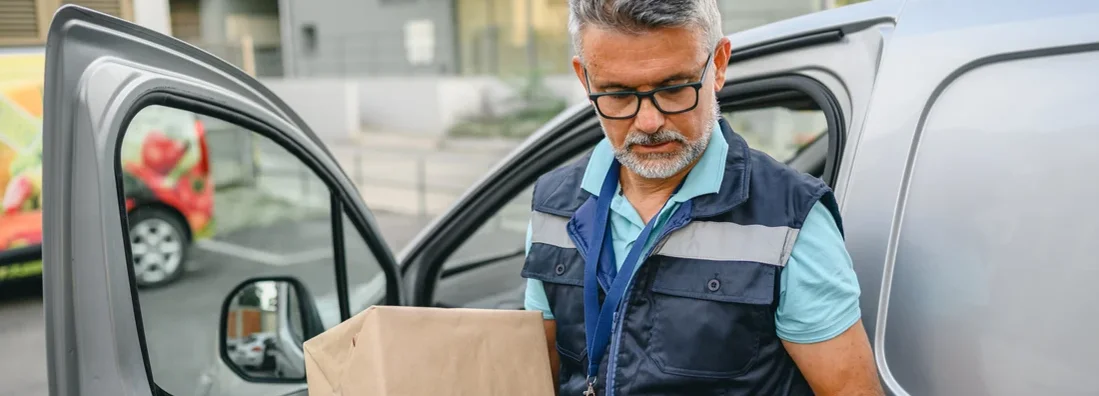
(911, 191)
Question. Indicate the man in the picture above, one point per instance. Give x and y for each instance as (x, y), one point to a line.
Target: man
(676, 260)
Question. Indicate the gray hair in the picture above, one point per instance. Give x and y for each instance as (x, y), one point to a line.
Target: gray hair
(638, 16)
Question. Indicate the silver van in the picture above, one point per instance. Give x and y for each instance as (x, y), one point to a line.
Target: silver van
(959, 137)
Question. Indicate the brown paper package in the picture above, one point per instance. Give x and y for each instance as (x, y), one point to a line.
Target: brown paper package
(412, 351)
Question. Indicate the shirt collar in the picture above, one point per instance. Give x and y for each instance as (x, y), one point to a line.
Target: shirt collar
(704, 178)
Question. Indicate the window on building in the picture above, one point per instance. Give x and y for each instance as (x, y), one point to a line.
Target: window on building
(25, 22)
(186, 24)
(309, 38)
(117, 8)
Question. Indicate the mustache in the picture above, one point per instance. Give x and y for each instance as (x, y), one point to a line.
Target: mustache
(651, 139)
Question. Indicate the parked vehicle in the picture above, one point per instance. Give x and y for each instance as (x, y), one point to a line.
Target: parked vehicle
(251, 351)
(960, 142)
(165, 175)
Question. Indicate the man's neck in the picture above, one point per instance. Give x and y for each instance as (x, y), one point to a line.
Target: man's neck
(648, 196)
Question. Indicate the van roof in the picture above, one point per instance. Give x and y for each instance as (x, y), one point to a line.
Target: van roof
(847, 18)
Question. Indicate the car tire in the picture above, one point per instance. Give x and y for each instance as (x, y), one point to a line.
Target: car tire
(159, 244)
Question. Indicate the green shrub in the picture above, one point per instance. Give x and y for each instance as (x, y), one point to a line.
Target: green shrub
(539, 106)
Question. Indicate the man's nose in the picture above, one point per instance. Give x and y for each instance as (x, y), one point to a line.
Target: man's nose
(649, 118)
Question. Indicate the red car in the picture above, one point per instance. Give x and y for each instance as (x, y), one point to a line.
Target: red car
(166, 178)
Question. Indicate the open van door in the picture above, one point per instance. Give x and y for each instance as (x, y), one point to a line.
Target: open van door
(816, 72)
(100, 72)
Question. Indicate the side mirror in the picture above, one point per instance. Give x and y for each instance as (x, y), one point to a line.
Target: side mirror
(264, 322)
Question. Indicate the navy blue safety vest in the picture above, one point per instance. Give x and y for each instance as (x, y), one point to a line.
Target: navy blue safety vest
(699, 316)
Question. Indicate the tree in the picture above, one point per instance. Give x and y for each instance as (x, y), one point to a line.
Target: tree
(249, 297)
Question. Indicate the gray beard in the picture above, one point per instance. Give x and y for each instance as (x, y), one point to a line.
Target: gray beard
(663, 166)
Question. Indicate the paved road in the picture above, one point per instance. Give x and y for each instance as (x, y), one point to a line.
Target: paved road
(181, 319)
(22, 340)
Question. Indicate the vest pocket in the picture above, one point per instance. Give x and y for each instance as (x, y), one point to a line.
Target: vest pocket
(562, 274)
(708, 316)
(569, 315)
(567, 347)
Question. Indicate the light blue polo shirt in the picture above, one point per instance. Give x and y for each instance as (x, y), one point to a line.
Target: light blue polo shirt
(819, 293)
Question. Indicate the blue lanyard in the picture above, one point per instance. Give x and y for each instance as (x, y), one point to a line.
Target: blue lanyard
(598, 320)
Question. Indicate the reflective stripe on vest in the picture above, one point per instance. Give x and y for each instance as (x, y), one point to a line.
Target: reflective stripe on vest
(702, 240)
(550, 230)
(717, 241)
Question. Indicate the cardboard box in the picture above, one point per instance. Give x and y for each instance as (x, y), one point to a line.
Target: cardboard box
(406, 351)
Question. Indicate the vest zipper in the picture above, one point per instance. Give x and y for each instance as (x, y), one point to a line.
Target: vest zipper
(620, 311)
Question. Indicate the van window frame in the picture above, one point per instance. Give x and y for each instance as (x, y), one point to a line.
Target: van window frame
(767, 91)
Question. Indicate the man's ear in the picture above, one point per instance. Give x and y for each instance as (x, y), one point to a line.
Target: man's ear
(578, 68)
(721, 62)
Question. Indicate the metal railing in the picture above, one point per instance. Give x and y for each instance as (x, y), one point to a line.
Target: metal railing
(420, 184)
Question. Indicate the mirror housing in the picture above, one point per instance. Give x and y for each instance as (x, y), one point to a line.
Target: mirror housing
(264, 322)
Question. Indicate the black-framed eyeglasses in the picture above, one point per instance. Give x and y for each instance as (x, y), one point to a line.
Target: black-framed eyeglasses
(672, 99)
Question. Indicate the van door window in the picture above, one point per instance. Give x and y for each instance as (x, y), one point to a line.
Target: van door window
(201, 222)
(779, 131)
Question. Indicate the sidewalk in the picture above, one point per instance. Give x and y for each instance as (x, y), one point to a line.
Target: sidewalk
(416, 174)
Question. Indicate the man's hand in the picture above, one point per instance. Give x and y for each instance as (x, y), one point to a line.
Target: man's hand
(843, 365)
(551, 346)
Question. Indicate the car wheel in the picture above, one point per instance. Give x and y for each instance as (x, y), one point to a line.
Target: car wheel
(159, 243)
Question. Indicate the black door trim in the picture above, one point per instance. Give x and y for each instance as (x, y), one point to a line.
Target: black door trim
(808, 40)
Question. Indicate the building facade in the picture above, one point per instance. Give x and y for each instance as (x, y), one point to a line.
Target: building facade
(460, 37)
(359, 38)
(328, 38)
